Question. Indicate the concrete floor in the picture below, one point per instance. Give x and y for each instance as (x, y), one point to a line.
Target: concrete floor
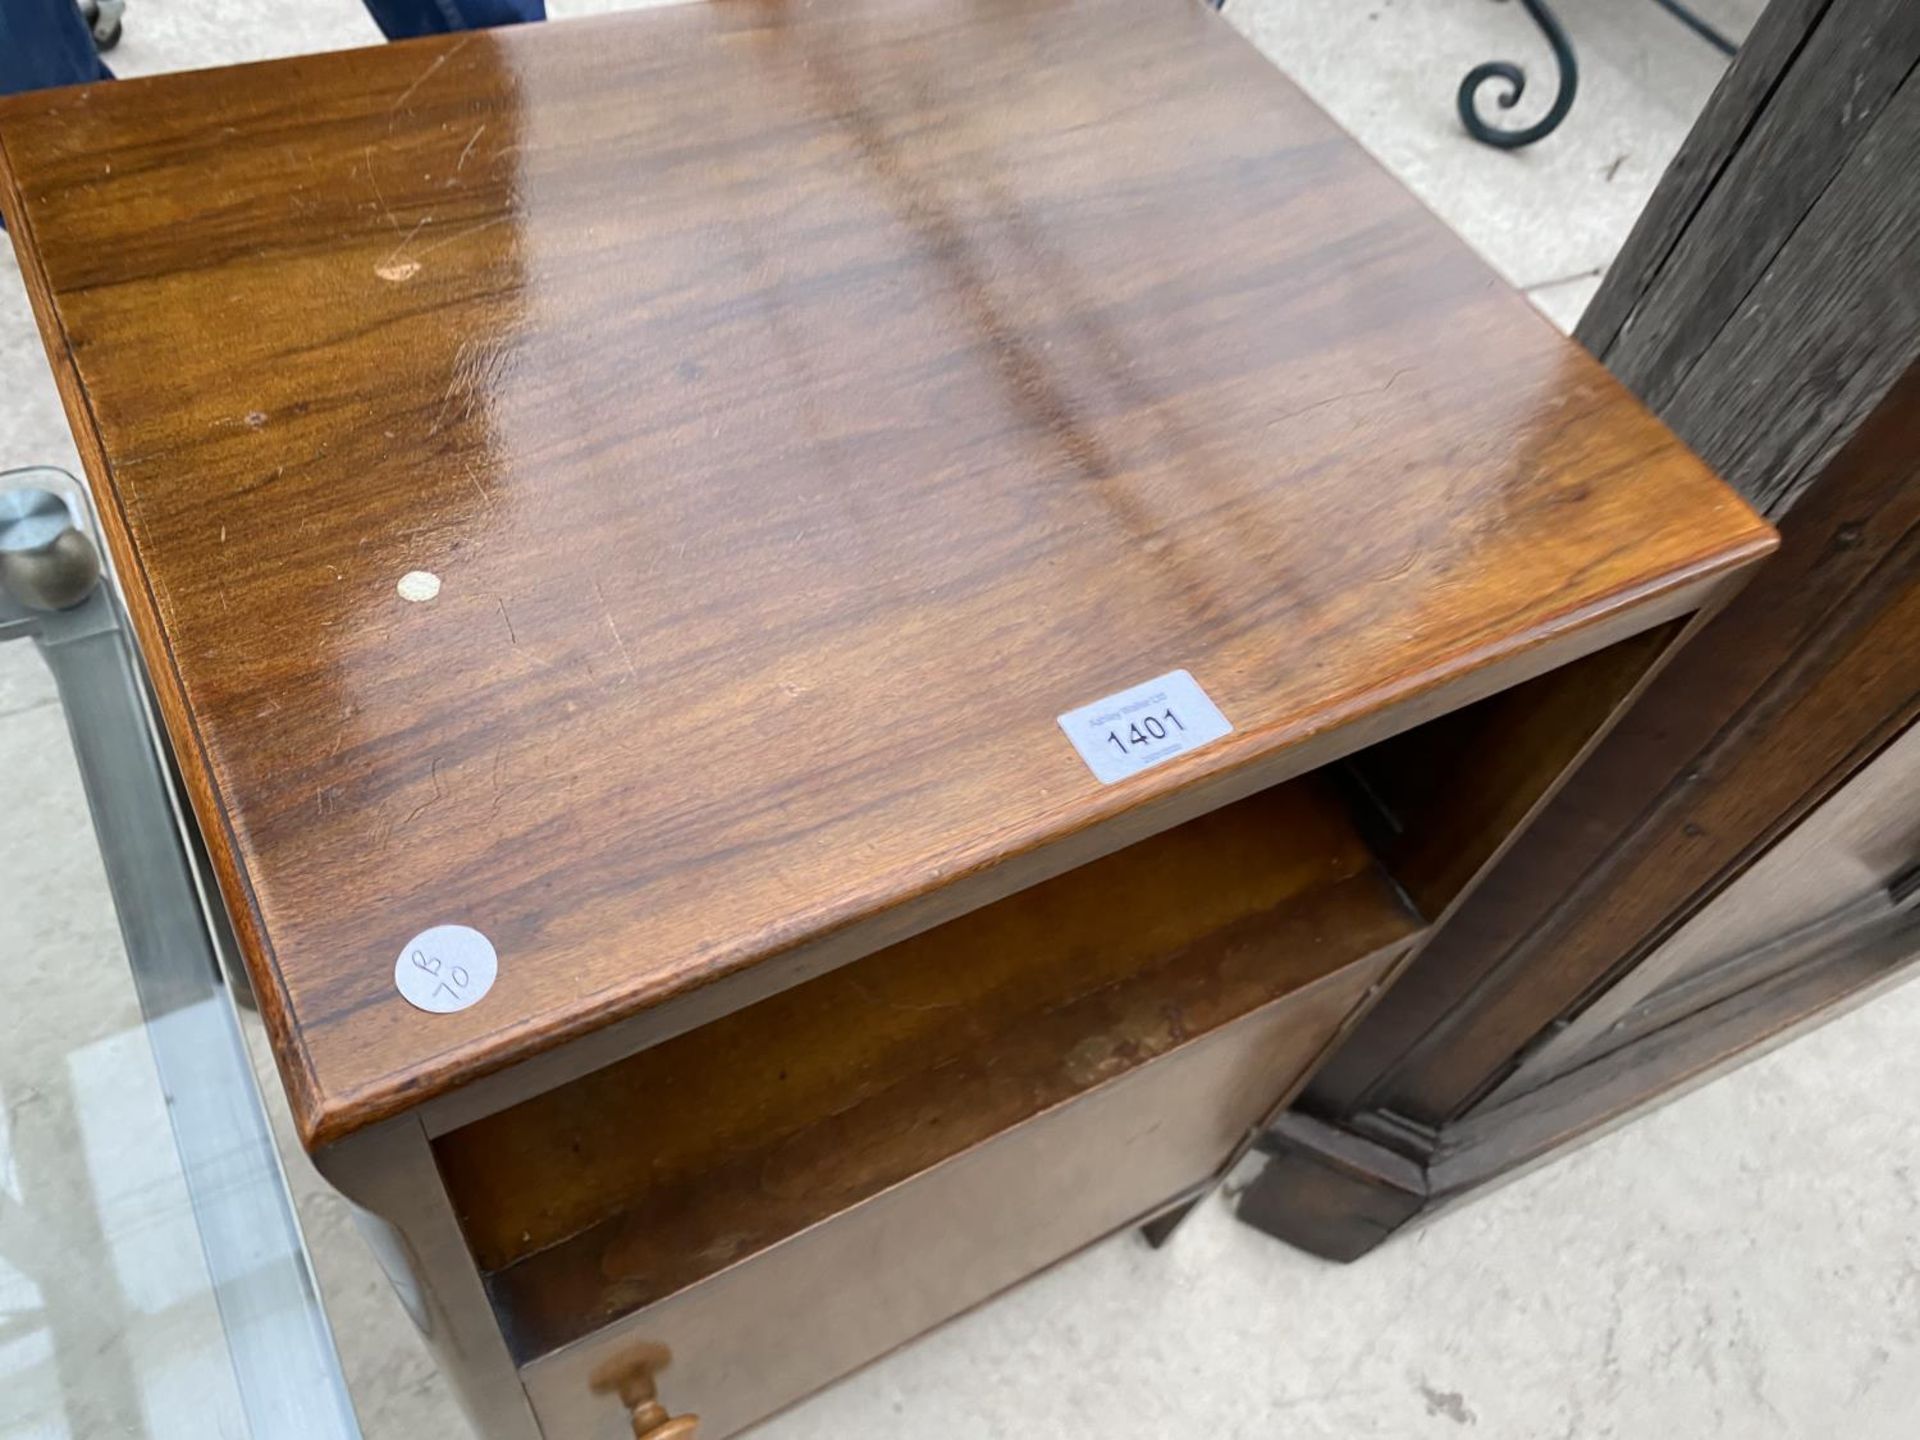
(1746, 1263)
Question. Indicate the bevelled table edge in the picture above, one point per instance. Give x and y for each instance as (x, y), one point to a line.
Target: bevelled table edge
(669, 1004)
(305, 1093)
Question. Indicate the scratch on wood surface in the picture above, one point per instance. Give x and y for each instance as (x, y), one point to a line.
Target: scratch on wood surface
(1336, 399)
(433, 774)
(513, 636)
(426, 75)
(459, 164)
(457, 372)
(462, 234)
(379, 194)
(607, 611)
(479, 490)
(499, 790)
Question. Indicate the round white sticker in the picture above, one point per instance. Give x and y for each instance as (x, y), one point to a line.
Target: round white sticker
(446, 968)
(418, 585)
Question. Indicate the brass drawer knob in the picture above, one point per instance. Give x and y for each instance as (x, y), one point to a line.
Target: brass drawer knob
(631, 1377)
(651, 1422)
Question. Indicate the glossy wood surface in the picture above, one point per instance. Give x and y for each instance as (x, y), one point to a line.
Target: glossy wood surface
(800, 407)
(731, 1137)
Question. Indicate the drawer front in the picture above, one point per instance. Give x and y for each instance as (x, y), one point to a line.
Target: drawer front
(778, 1326)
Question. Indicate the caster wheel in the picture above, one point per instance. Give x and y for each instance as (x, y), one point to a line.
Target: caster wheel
(104, 22)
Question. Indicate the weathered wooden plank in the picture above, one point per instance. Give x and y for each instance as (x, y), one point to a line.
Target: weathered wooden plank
(1826, 102)
(1777, 38)
(1829, 327)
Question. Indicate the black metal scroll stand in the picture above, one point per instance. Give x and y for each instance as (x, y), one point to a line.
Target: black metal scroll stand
(1563, 56)
(1516, 79)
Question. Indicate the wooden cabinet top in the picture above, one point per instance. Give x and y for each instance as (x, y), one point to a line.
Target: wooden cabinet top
(790, 411)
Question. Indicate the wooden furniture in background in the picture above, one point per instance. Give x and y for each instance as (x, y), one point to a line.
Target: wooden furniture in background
(1768, 306)
(646, 490)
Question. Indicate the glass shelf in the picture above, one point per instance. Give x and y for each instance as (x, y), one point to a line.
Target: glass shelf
(153, 1278)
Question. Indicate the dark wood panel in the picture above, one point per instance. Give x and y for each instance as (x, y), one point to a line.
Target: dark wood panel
(1330, 1192)
(1450, 796)
(1665, 1064)
(800, 407)
(1699, 167)
(1823, 333)
(1454, 790)
(1805, 676)
(1339, 1195)
(1766, 300)
(1823, 106)
(1841, 868)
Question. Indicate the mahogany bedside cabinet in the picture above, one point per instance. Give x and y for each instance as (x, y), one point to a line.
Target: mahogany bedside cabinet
(789, 626)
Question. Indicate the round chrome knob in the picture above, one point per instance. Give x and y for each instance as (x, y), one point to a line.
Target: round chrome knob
(46, 561)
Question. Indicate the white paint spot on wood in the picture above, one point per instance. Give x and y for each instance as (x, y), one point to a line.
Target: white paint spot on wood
(418, 585)
(397, 270)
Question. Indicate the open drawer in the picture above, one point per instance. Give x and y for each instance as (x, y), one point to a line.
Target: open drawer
(781, 1195)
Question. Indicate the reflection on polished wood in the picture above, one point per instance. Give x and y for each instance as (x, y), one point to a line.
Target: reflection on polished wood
(799, 407)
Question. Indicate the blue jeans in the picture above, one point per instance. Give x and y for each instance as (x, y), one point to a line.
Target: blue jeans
(45, 42)
(399, 19)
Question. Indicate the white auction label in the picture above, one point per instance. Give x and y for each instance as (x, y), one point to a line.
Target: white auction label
(446, 968)
(1138, 728)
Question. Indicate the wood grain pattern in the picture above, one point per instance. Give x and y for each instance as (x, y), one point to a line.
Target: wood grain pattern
(1758, 780)
(1764, 314)
(1816, 112)
(801, 407)
(726, 1138)
(1825, 332)
(1785, 695)
(1700, 165)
